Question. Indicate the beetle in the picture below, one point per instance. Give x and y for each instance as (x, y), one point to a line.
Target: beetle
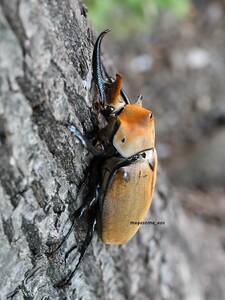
(124, 164)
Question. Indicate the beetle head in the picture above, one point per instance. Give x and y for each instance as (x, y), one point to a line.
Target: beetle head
(136, 130)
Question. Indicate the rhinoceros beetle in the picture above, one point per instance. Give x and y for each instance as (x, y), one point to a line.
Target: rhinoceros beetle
(125, 158)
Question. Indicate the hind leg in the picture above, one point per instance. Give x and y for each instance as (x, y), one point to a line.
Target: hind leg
(82, 250)
(89, 201)
(91, 181)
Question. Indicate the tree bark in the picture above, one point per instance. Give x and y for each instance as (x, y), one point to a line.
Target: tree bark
(45, 82)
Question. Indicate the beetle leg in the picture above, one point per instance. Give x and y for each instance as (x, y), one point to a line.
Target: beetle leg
(83, 184)
(85, 142)
(93, 189)
(64, 238)
(89, 200)
(82, 251)
(83, 208)
(89, 203)
(77, 215)
(69, 251)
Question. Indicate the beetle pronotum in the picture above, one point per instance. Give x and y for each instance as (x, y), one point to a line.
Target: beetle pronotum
(122, 190)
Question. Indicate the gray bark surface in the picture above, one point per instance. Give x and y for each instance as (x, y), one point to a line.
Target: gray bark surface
(45, 81)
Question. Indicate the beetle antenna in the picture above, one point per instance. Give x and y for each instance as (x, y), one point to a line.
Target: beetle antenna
(97, 66)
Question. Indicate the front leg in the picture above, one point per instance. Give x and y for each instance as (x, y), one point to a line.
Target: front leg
(85, 142)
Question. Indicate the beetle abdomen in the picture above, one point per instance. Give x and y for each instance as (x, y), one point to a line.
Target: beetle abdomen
(127, 200)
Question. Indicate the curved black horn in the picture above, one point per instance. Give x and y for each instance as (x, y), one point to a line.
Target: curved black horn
(99, 70)
(97, 66)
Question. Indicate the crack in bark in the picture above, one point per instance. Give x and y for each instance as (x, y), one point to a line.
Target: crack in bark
(8, 228)
(33, 238)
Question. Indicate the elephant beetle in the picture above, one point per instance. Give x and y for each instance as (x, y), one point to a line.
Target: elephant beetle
(124, 165)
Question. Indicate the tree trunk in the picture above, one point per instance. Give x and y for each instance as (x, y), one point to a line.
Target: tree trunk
(45, 82)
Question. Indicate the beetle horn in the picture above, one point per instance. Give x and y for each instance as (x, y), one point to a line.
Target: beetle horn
(97, 66)
(99, 70)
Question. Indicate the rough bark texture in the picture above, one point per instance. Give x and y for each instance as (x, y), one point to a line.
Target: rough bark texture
(45, 81)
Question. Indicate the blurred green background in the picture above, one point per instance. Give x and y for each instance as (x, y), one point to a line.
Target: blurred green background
(132, 15)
